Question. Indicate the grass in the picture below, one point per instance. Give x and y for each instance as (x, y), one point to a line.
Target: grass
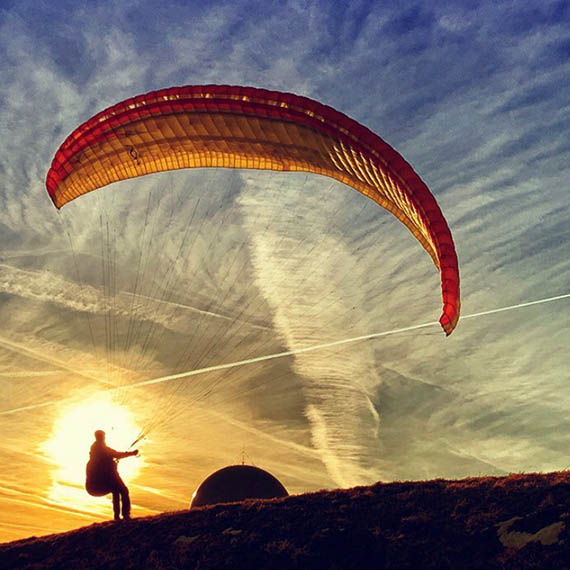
(516, 522)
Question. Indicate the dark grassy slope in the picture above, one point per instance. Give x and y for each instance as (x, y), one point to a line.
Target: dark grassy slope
(516, 522)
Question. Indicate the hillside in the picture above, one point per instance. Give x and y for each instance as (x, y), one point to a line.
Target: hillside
(515, 522)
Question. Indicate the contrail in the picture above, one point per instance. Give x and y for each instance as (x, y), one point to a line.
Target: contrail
(286, 353)
(33, 353)
(200, 311)
(519, 306)
(333, 344)
(275, 355)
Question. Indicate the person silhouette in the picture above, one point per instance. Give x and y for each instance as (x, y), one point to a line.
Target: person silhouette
(103, 476)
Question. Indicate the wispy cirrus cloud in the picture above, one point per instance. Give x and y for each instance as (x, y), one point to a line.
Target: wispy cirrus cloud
(474, 98)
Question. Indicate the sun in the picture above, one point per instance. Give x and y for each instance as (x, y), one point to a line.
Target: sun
(72, 435)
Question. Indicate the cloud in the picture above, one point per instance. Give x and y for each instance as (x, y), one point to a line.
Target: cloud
(313, 284)
(474, 99)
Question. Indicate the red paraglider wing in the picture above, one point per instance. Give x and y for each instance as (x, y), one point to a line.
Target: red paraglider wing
(245, 127)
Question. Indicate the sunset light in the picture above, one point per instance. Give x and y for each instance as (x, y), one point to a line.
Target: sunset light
(72, 435)
(319, 243)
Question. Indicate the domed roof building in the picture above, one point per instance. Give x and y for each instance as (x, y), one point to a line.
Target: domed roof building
(236, 483)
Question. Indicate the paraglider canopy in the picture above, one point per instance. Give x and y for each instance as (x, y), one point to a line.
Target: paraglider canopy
(237, 483)
(244, 127)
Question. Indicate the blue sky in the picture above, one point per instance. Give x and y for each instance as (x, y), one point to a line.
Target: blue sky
(474, 96)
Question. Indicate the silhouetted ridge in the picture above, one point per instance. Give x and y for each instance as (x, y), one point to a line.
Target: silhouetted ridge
(517, 522)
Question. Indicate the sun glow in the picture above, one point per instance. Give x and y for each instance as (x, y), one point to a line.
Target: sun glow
(72, 435)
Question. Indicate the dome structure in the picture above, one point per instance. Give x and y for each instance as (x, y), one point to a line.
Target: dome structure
(236, 483)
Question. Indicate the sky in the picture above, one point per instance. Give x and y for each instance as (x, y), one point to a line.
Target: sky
(108, 304)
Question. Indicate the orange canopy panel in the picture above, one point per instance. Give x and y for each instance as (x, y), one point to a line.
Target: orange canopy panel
(245, 127)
